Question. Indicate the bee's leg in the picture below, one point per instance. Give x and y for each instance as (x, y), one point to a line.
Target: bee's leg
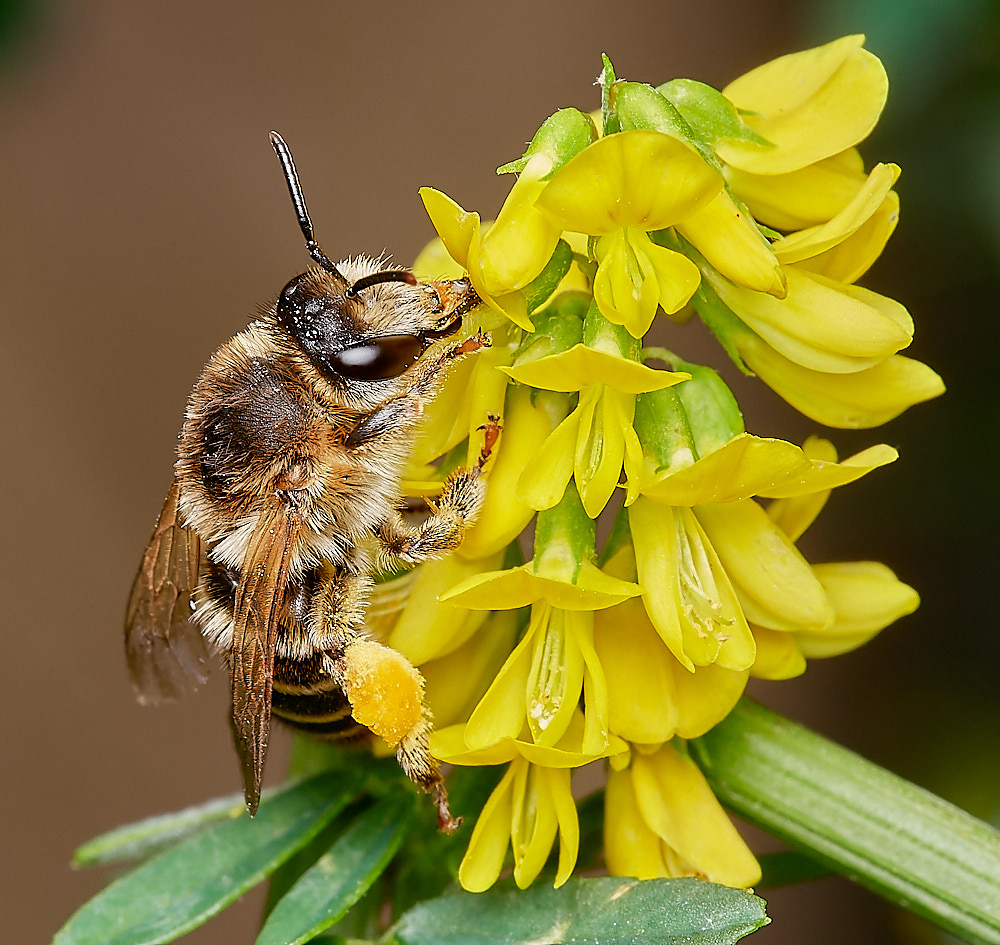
(452, 512)
(385, 691)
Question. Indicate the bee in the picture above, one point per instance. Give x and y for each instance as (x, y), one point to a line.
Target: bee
(286, 500)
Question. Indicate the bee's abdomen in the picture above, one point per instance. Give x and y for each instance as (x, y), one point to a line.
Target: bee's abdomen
(308, 700)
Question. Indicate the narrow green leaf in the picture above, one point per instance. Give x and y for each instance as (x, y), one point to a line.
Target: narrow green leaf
(605, 911)
(146, 837)
(189, 883)
(882, 831)
(340, 877)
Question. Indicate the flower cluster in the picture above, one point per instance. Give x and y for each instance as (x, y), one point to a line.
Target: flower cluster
(749, 207)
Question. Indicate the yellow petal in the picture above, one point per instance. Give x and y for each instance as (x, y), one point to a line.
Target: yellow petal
(502, 712)
(809, 104)
(542, 482)
(457, 228)
(677, 803)
(637, 178)
(520, 242)
(802, 198)
(866, 598)
(796, 513)
(821, 324)
(850, 259)
(448, 744)
(776, 586)
(630, 846)
(819, 239)
(746, 466)
(731, 242)
(518, 587)
(859, 400)
(582, 365)
(558, 788)
(638, 669)
(504, 514)
(778, 655)
(821, 476)
(706, 696)
(483, 860)
(533, 826)
(600, 446)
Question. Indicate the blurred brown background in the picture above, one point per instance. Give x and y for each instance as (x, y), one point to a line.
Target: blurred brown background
(145, 218)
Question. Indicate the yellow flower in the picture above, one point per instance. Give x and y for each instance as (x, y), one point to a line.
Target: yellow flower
(662, 820)
(651, 696)
(851, 381)
(711, 562)
(618, 189)
(596, 440)
(532, 803)
(856, 400)
(865, 595)
(511, 252)
(798, 199)
(809, 105)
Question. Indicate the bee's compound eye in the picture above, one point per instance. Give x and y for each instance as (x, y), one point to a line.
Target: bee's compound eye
(378, 359)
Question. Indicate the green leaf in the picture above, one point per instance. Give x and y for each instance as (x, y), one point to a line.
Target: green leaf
(606, 911)
(887, 834)
(340, 877)
(186, 885)
(145, 837)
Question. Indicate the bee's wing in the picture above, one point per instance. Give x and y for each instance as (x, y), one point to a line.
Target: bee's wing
(259, 604)
(165, 650)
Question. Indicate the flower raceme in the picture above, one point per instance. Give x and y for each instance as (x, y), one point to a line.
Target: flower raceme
(750, 207)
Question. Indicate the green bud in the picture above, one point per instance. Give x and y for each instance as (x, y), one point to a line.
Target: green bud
(713, 414)
(558, 327)
(565, 533)
(604, 335)
(562, 136)
(710, 115)
(607, 81)
(662, 426)
(546, 282)
(640, 106)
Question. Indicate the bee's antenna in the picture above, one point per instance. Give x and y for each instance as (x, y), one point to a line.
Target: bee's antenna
(299, 202)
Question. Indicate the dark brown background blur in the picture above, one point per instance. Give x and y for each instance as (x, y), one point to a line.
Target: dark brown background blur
(144, 219)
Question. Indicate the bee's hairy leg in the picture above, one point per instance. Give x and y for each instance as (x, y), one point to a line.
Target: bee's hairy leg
(338, 608)
(442, 531)
(428, 372)
(451, 513)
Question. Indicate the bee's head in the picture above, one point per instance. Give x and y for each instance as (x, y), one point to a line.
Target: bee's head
(373, 328)
(360, 324)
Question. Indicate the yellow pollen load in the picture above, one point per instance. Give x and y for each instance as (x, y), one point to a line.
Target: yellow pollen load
(385, 691)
